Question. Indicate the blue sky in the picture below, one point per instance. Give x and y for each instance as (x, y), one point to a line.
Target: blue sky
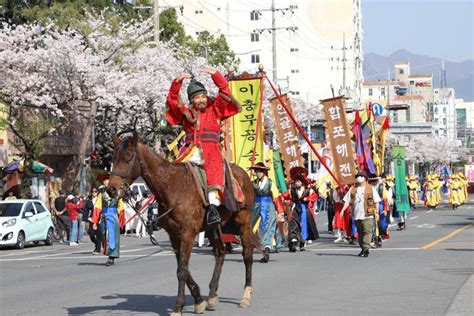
(437, 28)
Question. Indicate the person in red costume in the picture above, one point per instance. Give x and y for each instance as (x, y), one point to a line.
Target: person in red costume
(302, 222)
(202, 123)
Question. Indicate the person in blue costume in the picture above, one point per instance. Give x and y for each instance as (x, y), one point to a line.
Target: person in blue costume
(110, 215)
(264, 211)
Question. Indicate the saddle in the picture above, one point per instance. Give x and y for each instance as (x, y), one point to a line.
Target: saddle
(233, 198)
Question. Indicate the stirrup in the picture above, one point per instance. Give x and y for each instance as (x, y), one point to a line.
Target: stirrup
(212, 216)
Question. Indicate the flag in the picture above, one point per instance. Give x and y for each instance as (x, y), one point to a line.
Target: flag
(363, 152)
(247, 127)
(279, 173)
(287, 135)
(381, 138)
(402, 199)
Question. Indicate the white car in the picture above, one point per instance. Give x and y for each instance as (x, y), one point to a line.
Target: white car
(23, 221)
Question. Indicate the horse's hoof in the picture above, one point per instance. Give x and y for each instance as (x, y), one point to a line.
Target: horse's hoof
(175, 314)
(212, 302)
(200, 308)
(246, 297)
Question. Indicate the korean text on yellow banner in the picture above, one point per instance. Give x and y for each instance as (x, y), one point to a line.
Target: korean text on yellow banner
(287, 136)
(247, 133)
(339, 136)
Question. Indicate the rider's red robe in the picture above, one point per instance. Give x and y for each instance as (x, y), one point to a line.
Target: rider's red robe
(203, 128)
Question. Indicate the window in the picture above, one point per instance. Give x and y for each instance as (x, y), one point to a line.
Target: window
(254, 37)
(412, 82)
(408, 115)
(444, 121)
(370, 92)
(199, 33)
(254, 15)
(294, 50)
(295, 71)
(198, 12)
(255, 59)
(295, 93)
(293, 7)
(382, 91)
(29, 208)
(444, 110)
(401, 71)
(39, 207)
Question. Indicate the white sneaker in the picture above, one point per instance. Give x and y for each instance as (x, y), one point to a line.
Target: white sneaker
(310, 241)
(338, 240)
(73, 243)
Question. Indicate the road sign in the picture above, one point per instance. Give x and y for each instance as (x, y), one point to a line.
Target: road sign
(378, 109)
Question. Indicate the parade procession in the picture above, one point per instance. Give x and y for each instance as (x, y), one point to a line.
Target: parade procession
(150, 148)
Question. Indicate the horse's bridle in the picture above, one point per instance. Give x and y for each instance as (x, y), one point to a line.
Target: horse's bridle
(125, 175)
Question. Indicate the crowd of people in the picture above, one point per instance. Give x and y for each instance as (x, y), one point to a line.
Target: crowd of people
(362, 212)
(103, 216)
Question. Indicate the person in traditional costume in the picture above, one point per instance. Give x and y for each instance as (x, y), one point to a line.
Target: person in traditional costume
(363, 201)
(413, 191)
(437, 189)
(462, 188)
(109, 213)
(384, 212)
(465, 186)
(264, 212)
(341, 224)
(202, 123)
(454, 192)
(430, 196)
(302, 221)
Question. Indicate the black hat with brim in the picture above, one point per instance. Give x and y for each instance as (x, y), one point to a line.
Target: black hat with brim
(194, 88)
(362, 173)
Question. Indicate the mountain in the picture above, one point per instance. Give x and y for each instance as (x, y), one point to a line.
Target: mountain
(459, 75)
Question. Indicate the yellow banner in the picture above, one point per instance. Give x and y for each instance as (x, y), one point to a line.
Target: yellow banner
(247, 145)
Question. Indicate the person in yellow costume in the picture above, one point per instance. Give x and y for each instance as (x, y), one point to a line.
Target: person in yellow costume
(430, 194)
(465, 185)
(437, 188)
(413, 191)
(454, 190)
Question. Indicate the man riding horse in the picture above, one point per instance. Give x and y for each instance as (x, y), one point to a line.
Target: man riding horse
(202, 123)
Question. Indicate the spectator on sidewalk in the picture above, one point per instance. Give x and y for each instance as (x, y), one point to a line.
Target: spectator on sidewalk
(62, 216)
(81, 219)
(73, 206)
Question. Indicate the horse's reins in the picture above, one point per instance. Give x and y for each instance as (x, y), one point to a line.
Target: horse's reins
(152, 238)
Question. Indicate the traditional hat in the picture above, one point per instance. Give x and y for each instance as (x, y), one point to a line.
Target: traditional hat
(299, 173)
(260, 166)
(70, 197)
(389, 177)
(194, 88)
(362, 173)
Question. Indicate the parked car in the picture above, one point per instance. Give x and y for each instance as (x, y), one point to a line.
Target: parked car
(23, 221)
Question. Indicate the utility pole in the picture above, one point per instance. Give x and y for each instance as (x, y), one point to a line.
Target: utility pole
(344, 60)
(273, 30)
(156, 19)
(274, 51)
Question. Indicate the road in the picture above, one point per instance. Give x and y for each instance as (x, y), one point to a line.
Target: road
(426, 270)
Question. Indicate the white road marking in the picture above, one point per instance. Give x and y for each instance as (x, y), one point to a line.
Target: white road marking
(414, 217)
(164, 253)
(357, 248)
(429, 211)
(392, 225)
(426, 225)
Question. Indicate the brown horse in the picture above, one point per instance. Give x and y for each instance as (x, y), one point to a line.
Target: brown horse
(175, 190)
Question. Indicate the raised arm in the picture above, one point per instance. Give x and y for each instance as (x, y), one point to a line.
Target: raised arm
(225, 104)
(175, 106)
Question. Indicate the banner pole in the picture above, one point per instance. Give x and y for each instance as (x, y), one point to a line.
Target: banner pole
(302, 132)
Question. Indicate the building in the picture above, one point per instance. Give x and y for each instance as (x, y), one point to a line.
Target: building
(444, 113)
(465, 122)
(406, 98)
(315, 45)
